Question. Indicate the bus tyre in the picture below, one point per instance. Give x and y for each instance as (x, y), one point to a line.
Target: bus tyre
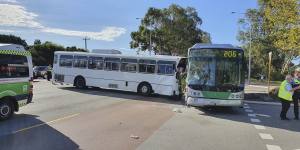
(6, 109)
(80, 83)
(144, 89)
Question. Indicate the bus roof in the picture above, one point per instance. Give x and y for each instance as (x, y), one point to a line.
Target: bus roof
(14, 47)
(157, 57)
(214, 46)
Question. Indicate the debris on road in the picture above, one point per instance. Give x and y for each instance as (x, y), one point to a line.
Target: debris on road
(134, 137)
(177, 110)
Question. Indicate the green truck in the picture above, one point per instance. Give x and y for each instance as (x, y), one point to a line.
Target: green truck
(16, 77)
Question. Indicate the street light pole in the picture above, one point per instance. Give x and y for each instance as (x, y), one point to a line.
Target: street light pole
(150, 38)
(250, 49)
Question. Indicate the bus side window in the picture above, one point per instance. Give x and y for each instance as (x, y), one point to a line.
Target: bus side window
(66, 60)
(166, 67)
(95, 63)
(80, 62)
(128, 65)
(112, 64)
(147, 66)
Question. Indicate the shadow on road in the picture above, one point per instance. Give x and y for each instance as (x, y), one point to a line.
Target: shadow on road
(267, 114)
(43, 137)
(126, 95)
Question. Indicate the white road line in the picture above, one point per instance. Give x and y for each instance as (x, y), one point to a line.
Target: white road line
(273, 147)
(246, 104)
(252, 115)
(266, 136)
(248, 110)
(255, 120)
(260, 127)
(246, 107)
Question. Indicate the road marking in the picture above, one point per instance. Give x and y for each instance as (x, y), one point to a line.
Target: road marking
(246, 107)
(255, 120)
(265, 136)
(252, 115)
(246, 104)
(248, 110)
(49, 122)
(259, 127)
(263, 115)
(273, 147)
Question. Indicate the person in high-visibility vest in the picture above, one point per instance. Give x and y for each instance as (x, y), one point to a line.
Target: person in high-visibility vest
(285, 94)
(296, 94)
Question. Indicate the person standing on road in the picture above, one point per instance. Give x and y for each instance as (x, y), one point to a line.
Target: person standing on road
(285, 94)
(296, 95)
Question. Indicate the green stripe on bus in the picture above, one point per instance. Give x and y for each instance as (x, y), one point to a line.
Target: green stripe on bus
(14, 52)
(216, 95)
(13, 89)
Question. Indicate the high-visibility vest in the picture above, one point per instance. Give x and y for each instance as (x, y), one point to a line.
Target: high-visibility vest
(296, 81)
(283, 93)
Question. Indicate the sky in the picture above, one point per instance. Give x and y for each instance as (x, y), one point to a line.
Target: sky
(108, 23)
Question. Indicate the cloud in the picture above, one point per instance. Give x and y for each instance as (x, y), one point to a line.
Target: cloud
(6, 31)
(8, 1)
(17, 16)
(13, 15)
(107, 34)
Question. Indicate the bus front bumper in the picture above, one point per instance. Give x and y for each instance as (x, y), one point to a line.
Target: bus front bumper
(198, 101)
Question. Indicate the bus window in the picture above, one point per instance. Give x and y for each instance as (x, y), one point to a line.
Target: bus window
(112, 64)
(95, 63)
(147, 66)
(66, 60)
(166, 67)
(129, 65)
(80, 62)
(13, 66)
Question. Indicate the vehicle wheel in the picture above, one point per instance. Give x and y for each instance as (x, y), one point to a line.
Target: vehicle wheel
(80, 83)
(6, 110)
(144, 89)
(44, 76)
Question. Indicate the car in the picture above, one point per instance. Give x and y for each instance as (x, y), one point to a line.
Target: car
(40, 71)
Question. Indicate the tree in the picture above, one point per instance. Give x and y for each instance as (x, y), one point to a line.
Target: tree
(37, 42)
(273, 28)
(11, 39)
(173, 30)
(43, 53)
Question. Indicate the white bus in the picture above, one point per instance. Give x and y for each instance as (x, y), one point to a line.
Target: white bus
(141, 74)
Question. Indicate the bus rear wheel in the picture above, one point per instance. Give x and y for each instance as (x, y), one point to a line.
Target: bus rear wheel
(80, 83)
(6, 110)
(145, 89)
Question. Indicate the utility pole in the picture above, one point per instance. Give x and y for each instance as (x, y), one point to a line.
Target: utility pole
(85, 42)
(150, 38)
(250, 48)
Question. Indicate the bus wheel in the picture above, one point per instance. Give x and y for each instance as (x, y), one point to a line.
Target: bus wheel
(6, 109)
(144, 89)
(80, 83)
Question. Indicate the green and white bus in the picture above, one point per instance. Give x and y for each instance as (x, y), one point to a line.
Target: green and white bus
(15, 79)
(215, 75)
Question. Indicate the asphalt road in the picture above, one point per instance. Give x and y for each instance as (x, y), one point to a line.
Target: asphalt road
(63, 118)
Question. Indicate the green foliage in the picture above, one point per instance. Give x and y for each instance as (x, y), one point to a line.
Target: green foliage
(173, 30)
(273, 27)
(11, 39)
(43, 53)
